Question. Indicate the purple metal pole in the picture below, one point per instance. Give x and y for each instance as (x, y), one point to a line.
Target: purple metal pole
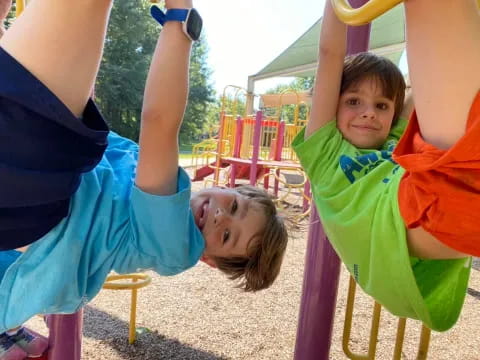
(256, 147)
(238, 137)
(65, 339)
(280, 140)
(306, 190)
(320, 283)
(322, 266)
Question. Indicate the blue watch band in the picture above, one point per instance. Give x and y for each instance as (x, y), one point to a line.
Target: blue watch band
(170, 15)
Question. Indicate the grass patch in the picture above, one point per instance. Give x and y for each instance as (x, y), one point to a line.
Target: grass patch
(186, 155)
(186, 148)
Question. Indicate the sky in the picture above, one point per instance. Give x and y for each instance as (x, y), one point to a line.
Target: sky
(246, 35)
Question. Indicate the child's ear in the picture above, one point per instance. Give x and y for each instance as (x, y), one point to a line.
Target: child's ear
(207, 260)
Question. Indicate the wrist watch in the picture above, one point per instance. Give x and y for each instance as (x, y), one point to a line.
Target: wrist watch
(190, 19)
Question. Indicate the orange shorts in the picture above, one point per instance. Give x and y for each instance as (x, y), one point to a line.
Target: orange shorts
(440, 189)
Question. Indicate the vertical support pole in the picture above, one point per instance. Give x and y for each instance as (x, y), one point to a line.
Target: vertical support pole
(256, 147)
(238, 137)
(278, 152)
(236, 150)
(65, 339)
(133, 315)
(307, 192)
(280, 140)
(424, 342)
(250, 95)
(322, 266)
(219, 148)
(397, 351)
(320, 283)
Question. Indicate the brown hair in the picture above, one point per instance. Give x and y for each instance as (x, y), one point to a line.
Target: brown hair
(259, 269)
(367, 65)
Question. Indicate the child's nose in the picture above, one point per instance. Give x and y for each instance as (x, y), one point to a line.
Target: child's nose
(369, 113)
(219, 215)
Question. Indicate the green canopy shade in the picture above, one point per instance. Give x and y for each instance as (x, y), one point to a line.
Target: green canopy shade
(387, 38)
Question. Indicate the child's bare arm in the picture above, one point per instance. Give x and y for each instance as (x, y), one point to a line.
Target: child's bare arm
(163, 108)
(443, 40)
(331, 55)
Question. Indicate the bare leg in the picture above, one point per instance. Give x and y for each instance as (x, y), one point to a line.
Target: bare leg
(61, 43)
(5, 6)
(443, 41)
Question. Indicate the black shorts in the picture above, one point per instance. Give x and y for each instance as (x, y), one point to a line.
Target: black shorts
(44, 149)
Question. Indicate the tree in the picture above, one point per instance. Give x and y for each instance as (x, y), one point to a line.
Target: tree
(300, 85)
(201, 96)
(129, 46)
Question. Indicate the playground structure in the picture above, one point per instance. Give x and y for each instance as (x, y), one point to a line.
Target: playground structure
(320, 286)
(257, 148)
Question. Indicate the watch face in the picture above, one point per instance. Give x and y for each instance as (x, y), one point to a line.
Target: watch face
(194, 24)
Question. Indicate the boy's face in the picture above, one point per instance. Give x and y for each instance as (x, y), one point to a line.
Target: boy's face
(228, 222)
(365, 115)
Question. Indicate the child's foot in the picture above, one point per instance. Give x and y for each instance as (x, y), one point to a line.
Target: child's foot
(32, 343)
(9, 350)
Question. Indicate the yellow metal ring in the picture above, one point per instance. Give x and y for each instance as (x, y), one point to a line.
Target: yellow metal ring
(138, 281)
(364, 14)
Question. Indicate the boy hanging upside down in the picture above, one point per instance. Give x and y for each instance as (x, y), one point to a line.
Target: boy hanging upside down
(80, 201)
(405, 224)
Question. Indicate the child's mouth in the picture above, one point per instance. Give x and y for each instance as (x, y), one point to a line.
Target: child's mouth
(202, 214)
(364, 127)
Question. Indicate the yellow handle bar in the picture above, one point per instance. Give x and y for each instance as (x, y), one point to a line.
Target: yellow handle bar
(20, 6)
(364, 14)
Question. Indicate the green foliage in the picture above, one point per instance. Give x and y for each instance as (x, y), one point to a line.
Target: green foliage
(129, 45)
(201, 96)
(10, 16)
(131, 40)
(232, 104)
(300, 85)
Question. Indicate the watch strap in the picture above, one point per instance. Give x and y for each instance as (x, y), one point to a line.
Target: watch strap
(170, 15)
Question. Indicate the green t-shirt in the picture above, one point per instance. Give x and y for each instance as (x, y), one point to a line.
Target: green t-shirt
(355, 191)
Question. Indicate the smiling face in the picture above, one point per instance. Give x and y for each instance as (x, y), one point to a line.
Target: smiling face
(365, 114)
(228, 221)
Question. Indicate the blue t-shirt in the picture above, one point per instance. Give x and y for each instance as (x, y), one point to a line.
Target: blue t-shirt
(111, 225)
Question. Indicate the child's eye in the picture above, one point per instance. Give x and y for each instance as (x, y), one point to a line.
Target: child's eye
(226, 236)
(234, 206)
(382, 106)
(353, 102)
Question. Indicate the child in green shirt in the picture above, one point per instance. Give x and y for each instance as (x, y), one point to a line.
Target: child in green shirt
(346, 150)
